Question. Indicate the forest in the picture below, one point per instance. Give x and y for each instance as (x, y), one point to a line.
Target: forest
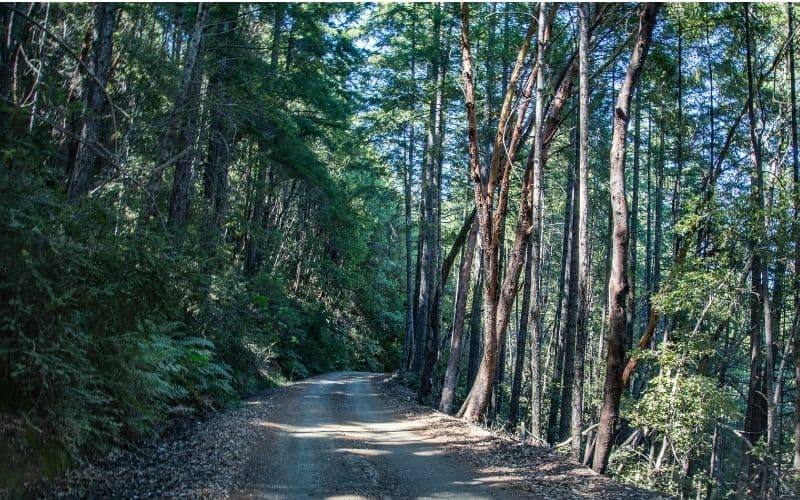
(578, 224)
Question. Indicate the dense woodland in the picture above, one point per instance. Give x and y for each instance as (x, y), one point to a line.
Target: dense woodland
(579, 223)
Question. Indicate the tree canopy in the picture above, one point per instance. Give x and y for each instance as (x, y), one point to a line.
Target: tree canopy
(576, 222)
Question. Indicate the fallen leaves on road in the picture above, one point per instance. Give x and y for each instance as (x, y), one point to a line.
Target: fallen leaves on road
(509, 463)
(200, 460)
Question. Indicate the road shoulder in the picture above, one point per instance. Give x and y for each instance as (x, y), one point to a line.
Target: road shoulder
(512, 465)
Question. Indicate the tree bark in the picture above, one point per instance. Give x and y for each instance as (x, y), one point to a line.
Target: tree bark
(618, 283)
(428, 234)
(562, 314)
(410, 339)
(496, 299)
(222, 133)
(408, 344)
(453, 362)
(572, 312)
(475, 334)
(253, 241)
(522, 338)
(442, 267)
(634, 217)
(100, 65)
(755, 420)
(187, 142)
(173, 144)
(583, 231)
(499, 297)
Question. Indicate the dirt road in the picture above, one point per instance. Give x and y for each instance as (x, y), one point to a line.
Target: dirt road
(335, 438)
(341, 435)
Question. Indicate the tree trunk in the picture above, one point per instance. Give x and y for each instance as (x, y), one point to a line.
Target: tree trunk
(634, 217)
(95, 98)
(11, 34)
(676, 187)
(429, 248)
(572, 312)
(222, 133)
(648, 246)
(496, 299)
(451, 373)
(475, 333)
(408, 344)
(562, 314)
(442, 267)
(796, 238)
(522, 337)
(618, 282)
(583, 232)
(755, 420)
(253, 241)
(432, 351)
(187, 142)
(176, 130)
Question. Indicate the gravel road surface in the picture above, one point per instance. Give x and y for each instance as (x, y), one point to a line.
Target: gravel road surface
(335, 438)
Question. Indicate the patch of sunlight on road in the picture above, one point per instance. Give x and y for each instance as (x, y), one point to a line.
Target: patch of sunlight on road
(429, 453)
(367, 452)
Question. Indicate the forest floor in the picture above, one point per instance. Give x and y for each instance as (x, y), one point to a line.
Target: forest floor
(340, 435)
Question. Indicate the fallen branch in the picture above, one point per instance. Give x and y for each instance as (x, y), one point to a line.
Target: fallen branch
(585, 432)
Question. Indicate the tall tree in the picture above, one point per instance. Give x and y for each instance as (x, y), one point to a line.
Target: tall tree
(188, 132)
(796, 237)
(618, 283)
(496, 299)
(429, 243)
(755, 421)
(583, 230)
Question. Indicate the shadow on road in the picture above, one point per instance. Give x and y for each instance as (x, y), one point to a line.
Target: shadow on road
(335, 438)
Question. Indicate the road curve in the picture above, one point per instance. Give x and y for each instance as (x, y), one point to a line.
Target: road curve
(333, 437)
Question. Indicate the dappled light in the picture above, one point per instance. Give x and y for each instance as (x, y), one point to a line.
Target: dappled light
(399, 249)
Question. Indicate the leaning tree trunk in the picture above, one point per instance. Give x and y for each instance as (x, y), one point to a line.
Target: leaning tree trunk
(618, 282)
(451, 373)
(498, 297)
(432, 351)
(473, 356)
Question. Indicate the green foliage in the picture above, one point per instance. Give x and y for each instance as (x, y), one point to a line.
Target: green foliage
(114, 322)
(685, 409)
